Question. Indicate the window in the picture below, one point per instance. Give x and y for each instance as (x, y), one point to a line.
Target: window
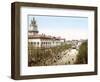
(37, 43)
(68, 62)
(34, 43)
(30, 43)
(41, 42)
(72, 59)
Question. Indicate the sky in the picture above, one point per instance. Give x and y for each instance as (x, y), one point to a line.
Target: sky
(70, 28)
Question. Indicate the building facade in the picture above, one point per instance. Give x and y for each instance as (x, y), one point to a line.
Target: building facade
(42, 40)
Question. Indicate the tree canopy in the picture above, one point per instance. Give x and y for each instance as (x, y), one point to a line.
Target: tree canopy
(82, 57)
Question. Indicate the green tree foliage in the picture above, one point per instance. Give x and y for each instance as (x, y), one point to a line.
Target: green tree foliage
(83, 54)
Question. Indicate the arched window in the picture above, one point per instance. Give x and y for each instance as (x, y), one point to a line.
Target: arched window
(34, 43)
(37, 43)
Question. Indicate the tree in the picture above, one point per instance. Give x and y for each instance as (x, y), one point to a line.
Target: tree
(83, 54)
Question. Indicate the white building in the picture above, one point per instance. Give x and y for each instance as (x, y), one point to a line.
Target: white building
(42, 40)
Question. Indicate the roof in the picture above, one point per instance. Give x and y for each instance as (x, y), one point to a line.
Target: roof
(43, 36)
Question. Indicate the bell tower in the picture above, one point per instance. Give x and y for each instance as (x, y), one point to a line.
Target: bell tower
(33, 29)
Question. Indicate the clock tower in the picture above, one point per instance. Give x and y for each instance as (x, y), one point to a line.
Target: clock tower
(33, 29)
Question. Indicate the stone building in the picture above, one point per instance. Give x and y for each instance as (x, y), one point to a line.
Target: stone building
(42, 40)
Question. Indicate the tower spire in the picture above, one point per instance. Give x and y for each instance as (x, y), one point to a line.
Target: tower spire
(33, 26)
